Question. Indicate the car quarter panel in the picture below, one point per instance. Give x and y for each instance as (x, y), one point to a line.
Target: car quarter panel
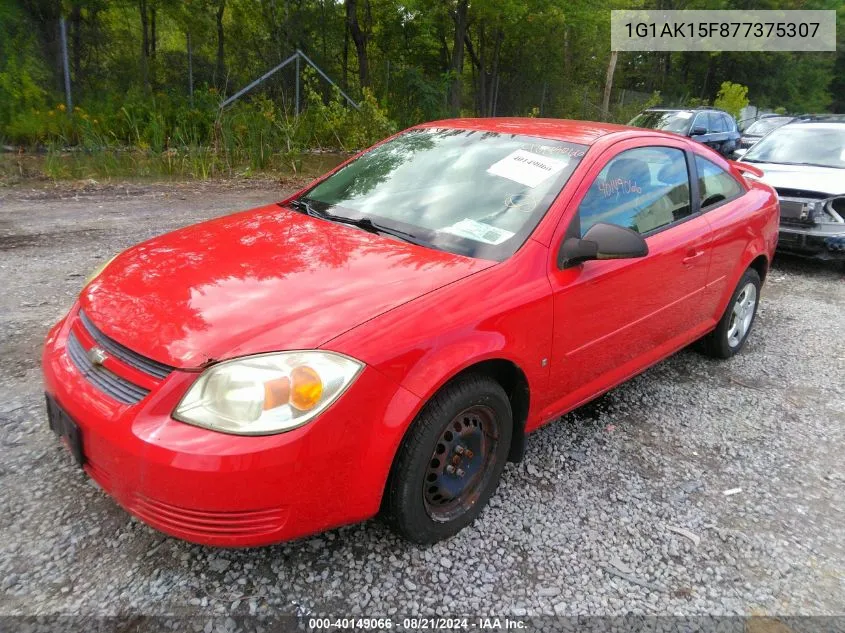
(743, 229)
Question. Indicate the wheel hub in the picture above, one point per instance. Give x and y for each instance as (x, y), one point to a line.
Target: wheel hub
(742, 314)
(461, 457)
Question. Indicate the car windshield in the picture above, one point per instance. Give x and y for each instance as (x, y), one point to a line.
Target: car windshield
(474, 193)
(677, 121)
(764, 126)
(799, 144)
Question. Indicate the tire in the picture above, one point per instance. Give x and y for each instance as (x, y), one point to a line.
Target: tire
(734, 327)
(466, 426)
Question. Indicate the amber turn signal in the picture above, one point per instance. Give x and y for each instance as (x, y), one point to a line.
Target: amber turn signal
(306, 388)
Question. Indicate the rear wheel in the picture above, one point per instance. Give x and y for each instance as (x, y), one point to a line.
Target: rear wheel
(450, 461)
(735, 325)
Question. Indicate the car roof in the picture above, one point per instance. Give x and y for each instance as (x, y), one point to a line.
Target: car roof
(695, 109)
(583, 132)
(821, 125)
(820, 118)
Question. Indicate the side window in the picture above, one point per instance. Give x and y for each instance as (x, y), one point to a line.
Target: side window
(718, 122)
(642, 189)
(730, 124)
(715, 185)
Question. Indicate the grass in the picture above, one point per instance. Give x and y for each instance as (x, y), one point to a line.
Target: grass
(191, 163)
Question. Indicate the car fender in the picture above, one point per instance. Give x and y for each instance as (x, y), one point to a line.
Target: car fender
(502, 313)
(439, 366)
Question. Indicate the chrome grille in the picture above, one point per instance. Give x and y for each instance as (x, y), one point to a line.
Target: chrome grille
(110, 383)
(133, 359)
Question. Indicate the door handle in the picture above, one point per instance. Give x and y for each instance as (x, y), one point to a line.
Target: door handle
(689, 260)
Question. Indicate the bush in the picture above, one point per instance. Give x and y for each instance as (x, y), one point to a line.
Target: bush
(732, 98)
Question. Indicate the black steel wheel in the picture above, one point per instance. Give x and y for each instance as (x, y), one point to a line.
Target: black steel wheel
(450, 460)
(462, 461)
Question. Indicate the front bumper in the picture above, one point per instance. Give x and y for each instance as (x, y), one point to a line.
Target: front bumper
(826, 242)
(227, 490)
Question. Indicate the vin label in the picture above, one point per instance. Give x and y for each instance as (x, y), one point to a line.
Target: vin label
(728, 30)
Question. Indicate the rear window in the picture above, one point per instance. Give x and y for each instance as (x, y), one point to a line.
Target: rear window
(764, 126)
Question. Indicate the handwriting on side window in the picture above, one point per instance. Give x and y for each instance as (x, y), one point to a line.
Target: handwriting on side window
(619, 185)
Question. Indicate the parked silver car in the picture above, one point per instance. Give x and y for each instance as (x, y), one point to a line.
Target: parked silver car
(761, 127)
(805, 162)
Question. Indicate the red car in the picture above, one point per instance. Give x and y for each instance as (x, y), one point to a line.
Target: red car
(385, 339)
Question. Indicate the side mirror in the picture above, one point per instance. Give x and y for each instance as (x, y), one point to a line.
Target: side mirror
(602, 241)
(698, 130)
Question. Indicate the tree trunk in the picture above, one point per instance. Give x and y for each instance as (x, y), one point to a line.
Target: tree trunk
(359, 38)
(145, 43)
(567, 54)
(76, 25)
(190, 67)
(494, 73)
(479, 76)
(346, 59)
(457, 65)
(152, 32)
(220, 66)
(608, 84)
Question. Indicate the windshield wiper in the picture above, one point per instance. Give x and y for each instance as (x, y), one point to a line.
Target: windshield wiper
(362, 223)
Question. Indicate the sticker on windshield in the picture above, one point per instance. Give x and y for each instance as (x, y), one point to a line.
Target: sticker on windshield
(478, 231)
(527, 168)
(683, 115)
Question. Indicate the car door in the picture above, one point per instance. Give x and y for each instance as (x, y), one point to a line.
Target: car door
(731, 135)
(614, 317)
(718, 131)
(700, 129)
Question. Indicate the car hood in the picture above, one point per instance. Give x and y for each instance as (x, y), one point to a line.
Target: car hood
(824, 180)
(262, 280)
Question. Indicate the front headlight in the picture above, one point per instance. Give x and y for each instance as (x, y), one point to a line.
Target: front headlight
(831, 211)
(266, 393)
(99, 269)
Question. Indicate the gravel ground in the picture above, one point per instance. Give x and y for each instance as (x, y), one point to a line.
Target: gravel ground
(618, 508)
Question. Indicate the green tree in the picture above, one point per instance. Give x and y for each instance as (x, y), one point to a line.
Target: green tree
(731, 98)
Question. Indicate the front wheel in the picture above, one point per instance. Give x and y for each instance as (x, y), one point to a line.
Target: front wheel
(450, 460)
(735, 325)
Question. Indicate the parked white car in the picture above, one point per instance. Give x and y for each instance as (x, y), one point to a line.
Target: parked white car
(805, 162)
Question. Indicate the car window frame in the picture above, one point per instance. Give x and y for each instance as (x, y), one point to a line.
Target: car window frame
(706, 120)
(573, 228)
(742, 189)
(565, 209)
(719, 122)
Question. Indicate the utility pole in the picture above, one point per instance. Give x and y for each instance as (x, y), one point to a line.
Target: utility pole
(65, 65)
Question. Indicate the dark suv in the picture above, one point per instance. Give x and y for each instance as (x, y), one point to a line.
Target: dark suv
(710, 126)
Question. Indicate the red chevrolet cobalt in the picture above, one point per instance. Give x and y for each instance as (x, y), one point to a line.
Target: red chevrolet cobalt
(385, 339)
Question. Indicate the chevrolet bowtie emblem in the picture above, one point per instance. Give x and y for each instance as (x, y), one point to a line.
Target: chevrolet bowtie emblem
(97, 355)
